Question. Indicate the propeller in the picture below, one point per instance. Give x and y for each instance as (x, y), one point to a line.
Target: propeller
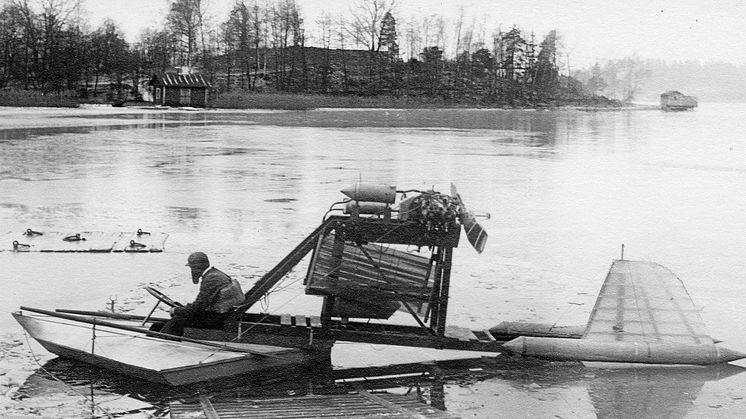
(475, 233)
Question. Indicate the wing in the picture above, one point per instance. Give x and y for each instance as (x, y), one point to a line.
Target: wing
(644, 302)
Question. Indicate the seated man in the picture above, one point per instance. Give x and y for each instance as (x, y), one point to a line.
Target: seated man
(218, 293)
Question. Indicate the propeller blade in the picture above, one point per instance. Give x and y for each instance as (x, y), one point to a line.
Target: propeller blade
(475, 233)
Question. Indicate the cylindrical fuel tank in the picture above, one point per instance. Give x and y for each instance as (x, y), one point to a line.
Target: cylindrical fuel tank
(563, 349)
(537, 329)
(371, 193)
(370, 208)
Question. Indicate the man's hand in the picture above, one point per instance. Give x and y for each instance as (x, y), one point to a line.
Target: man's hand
(171, 311)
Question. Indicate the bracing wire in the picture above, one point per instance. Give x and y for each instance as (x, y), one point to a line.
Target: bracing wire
(73, 389)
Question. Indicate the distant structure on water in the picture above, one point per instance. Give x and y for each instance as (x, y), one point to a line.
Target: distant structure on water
(179, 90)
(677, 101)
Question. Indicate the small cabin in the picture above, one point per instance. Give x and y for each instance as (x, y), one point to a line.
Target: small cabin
(179, 90)
(677, 101)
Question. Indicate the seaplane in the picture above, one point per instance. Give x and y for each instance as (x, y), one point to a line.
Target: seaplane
(379, 251)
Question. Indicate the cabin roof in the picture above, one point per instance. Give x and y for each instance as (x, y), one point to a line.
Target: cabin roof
(672, 93)
(179, 80)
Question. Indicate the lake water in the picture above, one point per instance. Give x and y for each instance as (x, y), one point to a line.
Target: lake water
(565, 189)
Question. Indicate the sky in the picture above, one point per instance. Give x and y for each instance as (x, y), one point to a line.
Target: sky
(592, 30)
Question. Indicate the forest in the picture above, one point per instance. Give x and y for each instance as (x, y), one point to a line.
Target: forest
(266, 46)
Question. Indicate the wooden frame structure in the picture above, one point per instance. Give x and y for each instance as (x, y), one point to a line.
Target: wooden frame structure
(320, 332)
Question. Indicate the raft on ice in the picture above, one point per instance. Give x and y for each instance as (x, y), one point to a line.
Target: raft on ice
(31, 240)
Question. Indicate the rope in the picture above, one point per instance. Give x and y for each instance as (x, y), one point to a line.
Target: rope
(266, 316)
(91, 401)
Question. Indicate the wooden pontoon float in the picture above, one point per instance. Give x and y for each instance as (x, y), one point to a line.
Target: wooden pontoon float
(122, 344)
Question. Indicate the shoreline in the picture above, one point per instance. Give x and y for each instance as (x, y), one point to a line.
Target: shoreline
(25, 118)
(159, 108)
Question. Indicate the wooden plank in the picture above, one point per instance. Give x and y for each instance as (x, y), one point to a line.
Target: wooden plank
(381, 273)
(369, 230)
(369, 295)
(382, 309)
(315, 321)
(401, 266)
(362, 403)
(389, 405)
(207, 408)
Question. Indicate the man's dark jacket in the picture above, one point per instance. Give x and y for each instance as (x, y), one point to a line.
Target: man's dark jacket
(209, 297)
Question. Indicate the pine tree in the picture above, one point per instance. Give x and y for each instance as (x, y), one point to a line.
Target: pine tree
(547, 75)
(596, 83)
(388, 36)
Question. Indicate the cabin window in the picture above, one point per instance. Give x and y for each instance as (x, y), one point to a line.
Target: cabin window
(185, 95)
(157, 93)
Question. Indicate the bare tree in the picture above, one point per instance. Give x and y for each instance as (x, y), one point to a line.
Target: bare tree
(365, 24)
(325, 23)
(285, 27)
(260, 34)
(14, 43)
(239, 33)
(158, 48)
(413, 38)
(184, 21)
(201, 23)
(459, 27)
(55, 16)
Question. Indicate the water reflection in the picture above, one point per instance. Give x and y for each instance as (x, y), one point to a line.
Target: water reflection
(652, 392)
(10, 134)
(614, 391)
(424, 381)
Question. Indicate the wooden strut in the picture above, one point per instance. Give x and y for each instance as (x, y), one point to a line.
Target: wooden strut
(404, 303)
(444, 285)
(338, 247)
(266, 282)
(430, 331)
(119, 316)
(434, 305)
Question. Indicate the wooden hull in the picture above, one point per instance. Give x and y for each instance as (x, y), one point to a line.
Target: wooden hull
(152, 359)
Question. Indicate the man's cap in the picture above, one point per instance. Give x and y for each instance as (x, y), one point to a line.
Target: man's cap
(198, 260)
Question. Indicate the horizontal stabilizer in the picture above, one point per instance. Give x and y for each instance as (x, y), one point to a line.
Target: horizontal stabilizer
(644, 302)
(643, 314)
